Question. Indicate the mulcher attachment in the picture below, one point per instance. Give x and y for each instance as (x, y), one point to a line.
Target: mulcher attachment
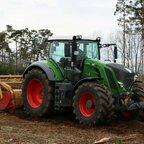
(10, 99)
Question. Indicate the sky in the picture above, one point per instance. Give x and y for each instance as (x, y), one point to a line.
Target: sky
(89, 18)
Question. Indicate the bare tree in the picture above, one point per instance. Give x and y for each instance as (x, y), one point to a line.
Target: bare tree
(133, 55)
(131, 18)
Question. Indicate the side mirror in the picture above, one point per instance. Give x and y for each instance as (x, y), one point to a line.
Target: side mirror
(67, 50)
(115, 53)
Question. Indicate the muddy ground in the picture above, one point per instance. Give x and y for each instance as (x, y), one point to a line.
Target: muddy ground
(62, 128)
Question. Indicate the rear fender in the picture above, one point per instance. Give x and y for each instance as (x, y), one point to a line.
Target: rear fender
(42, 66)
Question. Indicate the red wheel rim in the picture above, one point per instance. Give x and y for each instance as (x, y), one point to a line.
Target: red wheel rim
(127, 113)
(87, 111)
(35, 93)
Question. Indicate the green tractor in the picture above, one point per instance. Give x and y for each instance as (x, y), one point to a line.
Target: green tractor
(74, 76)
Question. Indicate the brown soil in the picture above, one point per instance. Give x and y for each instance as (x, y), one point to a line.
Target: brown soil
(62, 128)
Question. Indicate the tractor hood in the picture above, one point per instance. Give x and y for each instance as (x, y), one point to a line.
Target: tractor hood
(122, 74)
(114, 72)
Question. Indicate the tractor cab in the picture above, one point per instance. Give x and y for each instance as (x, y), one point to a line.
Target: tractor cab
(71, 54)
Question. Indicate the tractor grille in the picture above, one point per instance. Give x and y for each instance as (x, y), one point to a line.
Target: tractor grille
(126, 78)
(122, 74)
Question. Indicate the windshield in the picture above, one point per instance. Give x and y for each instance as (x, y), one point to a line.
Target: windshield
(86, 49)
(89, 48)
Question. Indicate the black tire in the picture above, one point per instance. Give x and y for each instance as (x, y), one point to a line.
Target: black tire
(138, 89)
(37, 93)
(111, 107)
(91, 104)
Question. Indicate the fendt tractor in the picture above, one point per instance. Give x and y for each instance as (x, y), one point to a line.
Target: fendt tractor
(73, 76)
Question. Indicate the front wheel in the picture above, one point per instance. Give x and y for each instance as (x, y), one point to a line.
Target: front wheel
(139, 92)
(37, 93)
(127, 115)
(137, 96)
(92, 103)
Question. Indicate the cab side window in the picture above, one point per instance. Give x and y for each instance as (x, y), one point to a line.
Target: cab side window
(57, 51)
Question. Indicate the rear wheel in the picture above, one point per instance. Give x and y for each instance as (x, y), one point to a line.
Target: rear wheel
(37, 93)
(91, 103)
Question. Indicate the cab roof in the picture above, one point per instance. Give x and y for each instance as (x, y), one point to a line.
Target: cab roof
(77, 37)
(50, 40)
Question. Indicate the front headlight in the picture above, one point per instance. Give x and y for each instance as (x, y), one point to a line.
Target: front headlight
(135, 77)
(121, 84)
(129, 70)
